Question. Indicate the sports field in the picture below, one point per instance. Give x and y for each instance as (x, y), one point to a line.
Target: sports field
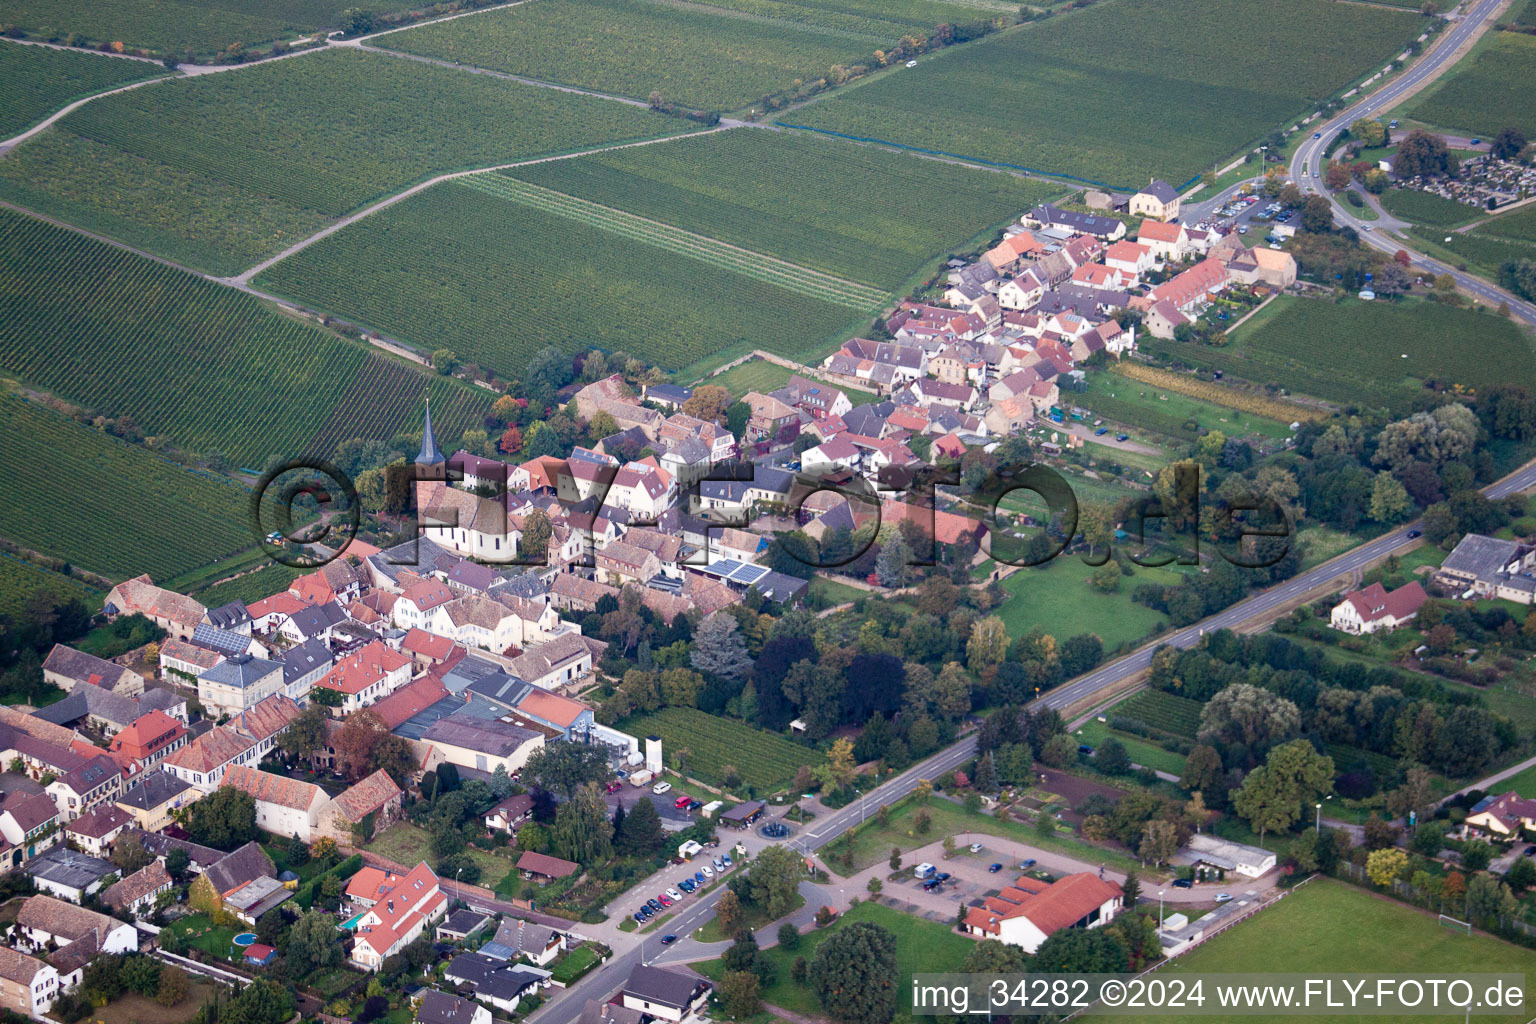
(205, 365)
(38, 80)
(712, 56)
(75, 493)
(1394, 350)
(1502, 65)
(1329, 927)
(848, 210)
(494, 274)
(1112, 94)
(220, 170)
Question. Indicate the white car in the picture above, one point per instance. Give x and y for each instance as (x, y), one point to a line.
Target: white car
(674, 894)
(911, 63)
(975, 847)
(1223, 897)
(661, 787)
(709, 872)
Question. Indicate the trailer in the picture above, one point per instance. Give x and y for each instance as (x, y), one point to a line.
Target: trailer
(641, 777)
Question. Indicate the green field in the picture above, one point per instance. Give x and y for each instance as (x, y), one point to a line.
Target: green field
(1503, 65)
(1058, 598)
(1166, 711)
(1328, 926)
(496, 279)
(1299, 348)
(842, 209)
(220, 170)
(1523, 783)
(1139, 404)
(718, 56)
(765, 760)
(19, 580)
(1142, 752)
(251, 587)
(1491, 243)
(921, 946)
(38, 80)
(1426, 208)
(107, 506)
(209, 367)
(1111, 94)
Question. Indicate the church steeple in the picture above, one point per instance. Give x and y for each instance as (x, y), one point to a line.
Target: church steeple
(430, 455)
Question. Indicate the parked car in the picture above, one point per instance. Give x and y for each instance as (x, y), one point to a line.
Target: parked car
(667, 940)
(994, 868)
(674, 894)
(664, 900)
(1317, 135)
(1183, 883)
(975, 847)
(645, 913)
(911, 63)
(687, 885)
(694, 805)
(943, 876)
(639, 917)
(1026, 864)
(708, 871)
(1530, 851)
(1101, 432)
(725, 859)
(718, 865)
(1477, 142)
(1085, 750)
(661, 787)
(932, 884)
(1122, 437)
(614, 787)
(682, 801)
(698, 878)
(1223, 897)
(655, 905)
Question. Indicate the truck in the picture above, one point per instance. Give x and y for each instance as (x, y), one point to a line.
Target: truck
(641, 777)
(924, 871)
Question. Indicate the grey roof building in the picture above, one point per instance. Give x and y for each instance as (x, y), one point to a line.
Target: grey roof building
(66, 869)
(492, 738)
(223, 641)
(229, 616)
(241, 671)
(155, 789)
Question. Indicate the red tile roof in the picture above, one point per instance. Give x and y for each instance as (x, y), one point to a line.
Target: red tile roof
(1050, 908)
(1375, 602)
(409, 699)
(364, 667)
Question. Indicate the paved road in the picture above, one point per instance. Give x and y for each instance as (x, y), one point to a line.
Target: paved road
(1308, 163)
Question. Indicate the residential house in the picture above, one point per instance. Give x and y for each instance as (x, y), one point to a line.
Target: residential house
(1503, 816)
(668, 396)
(96, 780)
(1159, 200)
(302, 666)
(665, 994)
(542, 867)
(1227, 855)
(44, 922)
(1375, 608)
(613, 396)
(417, 602)
(29, 824)
(537, 476)
(1163, 319)
(1012, 252)
(1190, 290)
(540, 943)
(376, 795)
(155, 797)
(238, 683)
(1048, 215)
(312, 622)
(203, 762)
(830, 457)
(172, 612)
(502, 985)
(770, 417)
(185, 660)
(1168, 243)
(1028, 912)
(399, 908)
(138, 893)
(441, 1008)
(28, 986)
(366, 676)
(937, 392)
(336, 581)
(96, 830)
(1021, 293)
(586, 473)
(1130, 258)
(66, 667)
(643, 489)
(1273, 267)
(284, 806)
(461, 925)
(510, 814)
(620, 563)
(68, 874)
(150, 739)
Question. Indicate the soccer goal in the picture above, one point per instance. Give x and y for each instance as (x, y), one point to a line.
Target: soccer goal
(1455, 925)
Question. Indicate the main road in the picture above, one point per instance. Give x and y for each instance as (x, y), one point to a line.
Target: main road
(1308, 162)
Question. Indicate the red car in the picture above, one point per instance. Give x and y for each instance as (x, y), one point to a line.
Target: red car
(666, 900)
(614, 787)
(682, 801)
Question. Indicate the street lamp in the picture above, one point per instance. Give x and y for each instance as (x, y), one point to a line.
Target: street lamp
(1319, 818)
(1160, 914)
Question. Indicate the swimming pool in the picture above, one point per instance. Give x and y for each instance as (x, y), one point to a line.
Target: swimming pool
(351, 923)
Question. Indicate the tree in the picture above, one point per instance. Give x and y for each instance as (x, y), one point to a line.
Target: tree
(355, 741)
(1489, 900)
(719, 650)
(1389, 500)
(1507, 144)
(1059, 751)
(1278, 793)
(1081, 951)
(1416, 794)
(1476, 855)
(891, 563)
(1159, 841)
(1337, 176)
(837, 772)
(989, 956)
(1438, 438)
(1130, 889)
(224, 819)
(641, 834)
(708, 402)
(854, 974)
(1421, 153)
(173, 984)
(789, 936)
(1248, 714)
(729, 912)
(582, 832)
(176, 864)
(1106, 578)
(312, 944)
(1317, 215)
(306, 734)
(1369, 131)
(536, 536)
(986, 774)
(1201, 768)
(261, 1002)
(445, 361)
(565, 767)
(1111, 757)
(988, 644)
(393, 756)
(129, 855)
(1521, 875)
(773, 881)
(741, 994)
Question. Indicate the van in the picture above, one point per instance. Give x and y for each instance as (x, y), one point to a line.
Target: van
(925, 871)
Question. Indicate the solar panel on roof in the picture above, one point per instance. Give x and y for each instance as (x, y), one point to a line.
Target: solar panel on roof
(748, 574)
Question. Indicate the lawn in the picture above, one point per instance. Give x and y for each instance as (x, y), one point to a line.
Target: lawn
(921, 946)
(283, 148)
(1503, 65)
(1099, 93)
(842, 209)
(751, 919)
(1142, 751)
(1331, 927)
(762, 376)
(1058, 598)
(132, 1008)
(835, 591)
(201, 933)
(1395, 350)
(574, 964)
(406, 844)
(1523, 783)
(122, 334)
(455, 265)
(163, 519)
(38, 80)
(1152, 407)
(698, 55)
(766, 761)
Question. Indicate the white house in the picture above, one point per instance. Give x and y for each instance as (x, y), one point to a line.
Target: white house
(1021, 293)
(284, 806)
(400, 907)
(665, 994)
(1027, 912)
(28, 986)
(1375, 608)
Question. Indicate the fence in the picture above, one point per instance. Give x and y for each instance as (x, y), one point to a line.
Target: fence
(1427, 900)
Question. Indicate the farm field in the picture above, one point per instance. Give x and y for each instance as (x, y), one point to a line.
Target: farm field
(762, 376)
(1296, 347)
(765, 760)
(174, 27)
(283, 148)
(842, 209)
(1267, 414)
(1489, 244)
(145, 338)
(1156, 407)
(1118, 86)
(1328, 926)
(165, 518)
(1166, 711)
(19, 580)
(1504, 65)
(38, 80)
(1428, 209)
(455, 265)
(1059, 599)
(249, 588)
(695, 54)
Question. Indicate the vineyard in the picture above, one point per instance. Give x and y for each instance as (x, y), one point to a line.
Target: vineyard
(250, 587)
(842, 209)
(495, 281)
(1110, 93)
(205, 365)
(1502, 65)
(1495, 241)
(765, 760)
(1219, 394)
(1299, 346)
(692, 54)
(19, 580)
(36, 81)
(1170, 713)
(1418, 207)
(75, 493)
(285, 146)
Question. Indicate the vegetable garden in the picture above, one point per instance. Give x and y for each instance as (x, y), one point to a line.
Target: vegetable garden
(766, 761)
(37, 80)
(1112, 93)
(839, 208)
(203, 364)
(495, 281)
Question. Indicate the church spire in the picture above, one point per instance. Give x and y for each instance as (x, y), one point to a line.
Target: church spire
(430, 455)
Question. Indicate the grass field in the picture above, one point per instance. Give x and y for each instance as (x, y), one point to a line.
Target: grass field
(1502, 65)
(19, 580)
(1155, 407)
(1058, 598)
(1523, 783)
(715, 56)
(1426, 208)
(765, 760)
(843, 209)
(108, 506)
(132, 1008)
(406, 844)
(1328, 926)
(282, 148)
(921, 945)
(38, 80)
(1267, 415)
(1142, 752)
(1100, 93)
(455, 266)
(144, 339)
(1298, 347)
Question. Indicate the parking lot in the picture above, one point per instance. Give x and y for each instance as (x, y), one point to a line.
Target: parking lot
(1253, 216)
